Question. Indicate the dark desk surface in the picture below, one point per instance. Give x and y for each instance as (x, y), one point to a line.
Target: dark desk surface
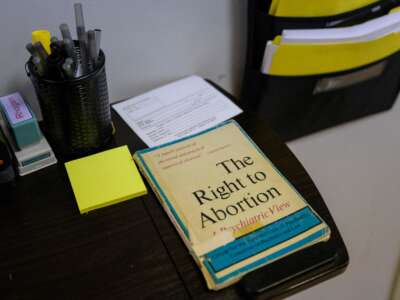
(126, 251)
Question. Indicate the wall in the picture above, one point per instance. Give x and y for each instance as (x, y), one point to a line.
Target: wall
(356, 169)
(147, 42)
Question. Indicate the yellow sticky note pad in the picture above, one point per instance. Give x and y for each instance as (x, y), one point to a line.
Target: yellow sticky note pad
(104, 179)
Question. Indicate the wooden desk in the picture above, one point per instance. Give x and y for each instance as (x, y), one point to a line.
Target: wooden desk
(126, 251)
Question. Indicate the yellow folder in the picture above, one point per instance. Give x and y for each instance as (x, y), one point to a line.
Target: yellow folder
(313, 59)
(315, 8)
(104, 179)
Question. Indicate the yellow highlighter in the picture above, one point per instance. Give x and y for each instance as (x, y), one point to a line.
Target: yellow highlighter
(42, 36)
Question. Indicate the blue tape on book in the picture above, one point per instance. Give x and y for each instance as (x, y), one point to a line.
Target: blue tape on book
(266, 259)
(262, 239)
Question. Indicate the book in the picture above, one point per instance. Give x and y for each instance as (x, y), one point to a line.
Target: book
(104, 179)
(231, 206)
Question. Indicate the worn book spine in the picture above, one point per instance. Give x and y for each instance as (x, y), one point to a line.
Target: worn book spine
(184, 235)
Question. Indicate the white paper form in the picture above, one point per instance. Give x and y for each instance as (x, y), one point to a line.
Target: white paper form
(176, 110)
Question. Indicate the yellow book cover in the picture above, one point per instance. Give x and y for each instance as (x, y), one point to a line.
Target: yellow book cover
(234, 210)
(104, 179)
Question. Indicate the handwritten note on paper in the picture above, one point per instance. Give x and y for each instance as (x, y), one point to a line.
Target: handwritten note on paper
(176, 110)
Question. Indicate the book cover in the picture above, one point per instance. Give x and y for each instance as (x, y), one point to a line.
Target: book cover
(233, 209)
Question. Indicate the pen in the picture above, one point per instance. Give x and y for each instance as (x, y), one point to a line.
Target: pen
(82, 36)
(40, 58)
(65, 33)
(39, 49)
(70, 51)
(98, 40)
(31, 49)
(92, 48)
(56, 59)
(56, 47)
(40, 69)
(79, 20)
(68, 67)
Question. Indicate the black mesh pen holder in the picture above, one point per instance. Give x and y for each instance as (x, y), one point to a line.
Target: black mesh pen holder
(76, 112)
